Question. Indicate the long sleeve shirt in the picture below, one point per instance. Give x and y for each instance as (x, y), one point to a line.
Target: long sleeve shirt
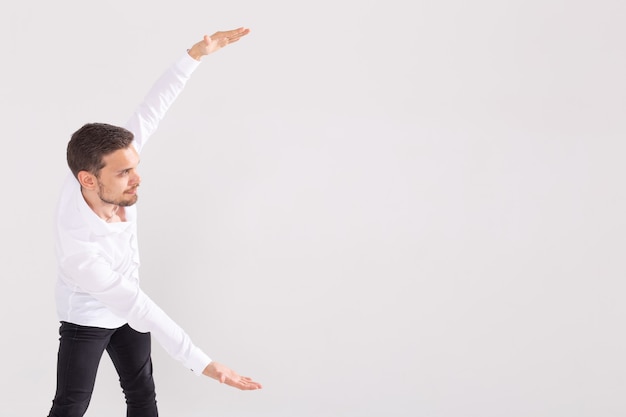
(98, 262)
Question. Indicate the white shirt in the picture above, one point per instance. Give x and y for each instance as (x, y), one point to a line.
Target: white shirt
(98, 262)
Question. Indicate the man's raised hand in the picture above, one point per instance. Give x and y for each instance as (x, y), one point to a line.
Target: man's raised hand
(216, 41)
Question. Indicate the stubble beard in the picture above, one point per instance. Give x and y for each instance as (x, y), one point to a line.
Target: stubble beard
(119, 202)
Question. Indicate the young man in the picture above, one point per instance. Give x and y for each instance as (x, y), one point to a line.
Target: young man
(99, 301)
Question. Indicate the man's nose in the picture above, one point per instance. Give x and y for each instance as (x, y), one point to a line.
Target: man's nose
(136, 179)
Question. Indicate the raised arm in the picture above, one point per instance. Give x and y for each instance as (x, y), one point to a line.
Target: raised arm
(146, 118)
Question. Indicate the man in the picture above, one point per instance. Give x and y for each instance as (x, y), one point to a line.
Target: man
(99, 301)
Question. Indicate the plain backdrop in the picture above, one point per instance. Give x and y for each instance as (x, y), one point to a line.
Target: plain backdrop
(399, 208)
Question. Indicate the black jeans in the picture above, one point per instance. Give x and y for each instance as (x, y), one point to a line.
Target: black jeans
(80, 350)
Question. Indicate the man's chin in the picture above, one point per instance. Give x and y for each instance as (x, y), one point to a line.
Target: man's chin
(130, 201)
(125, 200)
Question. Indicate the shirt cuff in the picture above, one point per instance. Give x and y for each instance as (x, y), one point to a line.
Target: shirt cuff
(198, 360)
(187, 64)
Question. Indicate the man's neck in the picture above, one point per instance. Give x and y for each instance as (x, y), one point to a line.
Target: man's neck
(110, 213)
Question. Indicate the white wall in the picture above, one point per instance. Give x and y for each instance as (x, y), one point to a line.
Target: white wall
(374, 208)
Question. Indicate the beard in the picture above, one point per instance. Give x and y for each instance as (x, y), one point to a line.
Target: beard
(120, 201)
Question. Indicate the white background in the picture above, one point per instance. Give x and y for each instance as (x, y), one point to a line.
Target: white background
(374, 208)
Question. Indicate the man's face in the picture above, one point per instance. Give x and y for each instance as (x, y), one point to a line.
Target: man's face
(118, 180)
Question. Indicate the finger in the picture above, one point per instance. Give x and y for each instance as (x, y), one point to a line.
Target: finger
(239, 31)
(233, 34)
(239, 35)
(221, 41)
(245, 385)
(225, 38)
(248, 387)
(225, 33)
(233, 40)
(250, 384)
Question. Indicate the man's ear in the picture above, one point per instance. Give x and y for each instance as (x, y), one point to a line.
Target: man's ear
(87, 180)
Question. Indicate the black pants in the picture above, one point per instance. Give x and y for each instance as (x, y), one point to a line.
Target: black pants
(80, 350)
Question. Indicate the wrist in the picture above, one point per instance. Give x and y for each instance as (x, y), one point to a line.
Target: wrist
(192, 52)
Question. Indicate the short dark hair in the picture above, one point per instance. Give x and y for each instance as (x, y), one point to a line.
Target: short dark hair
(92, 142)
